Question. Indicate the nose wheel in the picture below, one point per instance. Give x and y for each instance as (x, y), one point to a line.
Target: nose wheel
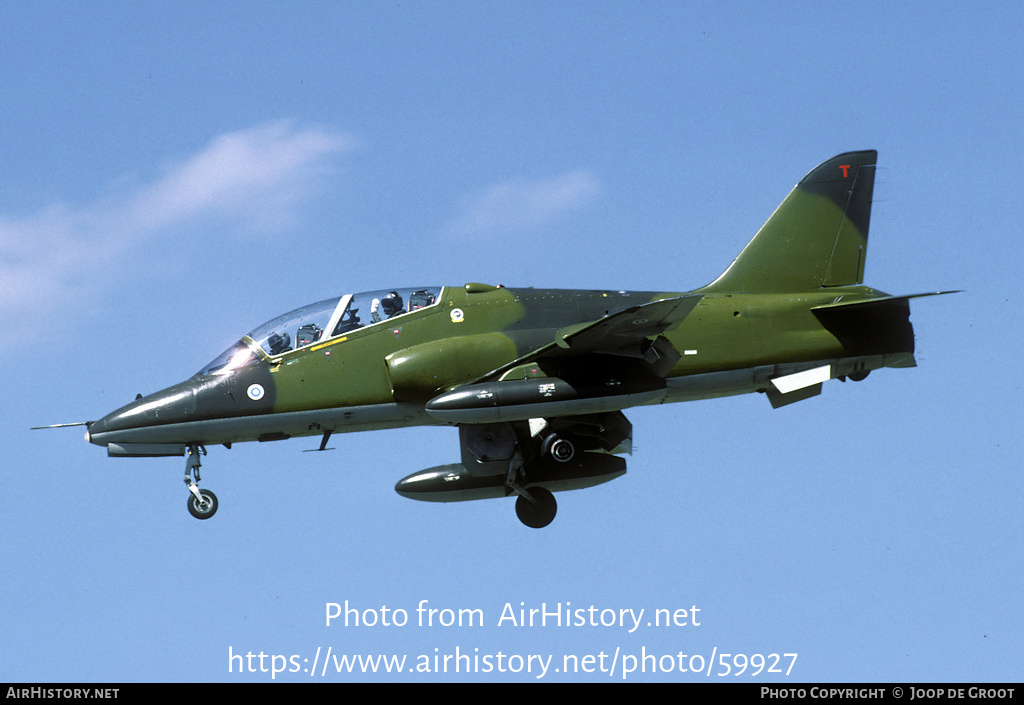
(202, 504)
(204, 507)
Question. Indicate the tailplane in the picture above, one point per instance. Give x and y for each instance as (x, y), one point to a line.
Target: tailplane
(816, 238)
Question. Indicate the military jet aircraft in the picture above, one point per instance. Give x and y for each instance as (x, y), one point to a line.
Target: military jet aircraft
(535, 380)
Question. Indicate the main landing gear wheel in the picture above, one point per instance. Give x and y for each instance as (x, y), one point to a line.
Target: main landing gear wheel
(539, 512)
(204, 509)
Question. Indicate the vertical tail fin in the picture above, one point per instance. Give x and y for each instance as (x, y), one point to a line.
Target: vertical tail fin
(816, 238)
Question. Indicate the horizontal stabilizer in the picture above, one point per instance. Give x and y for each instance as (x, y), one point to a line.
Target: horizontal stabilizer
(874, 326)
(881, 300)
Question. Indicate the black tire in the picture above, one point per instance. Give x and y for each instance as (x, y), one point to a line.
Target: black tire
(202, 511)
(537, 514)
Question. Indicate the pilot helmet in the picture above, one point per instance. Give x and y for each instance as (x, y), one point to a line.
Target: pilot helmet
(392, 303)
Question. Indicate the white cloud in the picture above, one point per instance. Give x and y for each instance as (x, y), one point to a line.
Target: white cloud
(254, 176)
(518, 204)
(270, 164)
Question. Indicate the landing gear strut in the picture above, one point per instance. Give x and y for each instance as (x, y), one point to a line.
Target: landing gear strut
(202, 504)
(528, 460)
(536, 506)
(532, 460)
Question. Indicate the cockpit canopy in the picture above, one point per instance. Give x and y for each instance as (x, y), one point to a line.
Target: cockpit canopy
(322, 321)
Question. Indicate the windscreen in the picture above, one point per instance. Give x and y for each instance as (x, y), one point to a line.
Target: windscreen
(321, 321)
(296, 329)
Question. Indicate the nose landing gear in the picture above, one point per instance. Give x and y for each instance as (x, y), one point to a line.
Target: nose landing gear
(202, 504)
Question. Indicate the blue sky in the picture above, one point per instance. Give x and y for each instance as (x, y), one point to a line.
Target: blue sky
(172, 177)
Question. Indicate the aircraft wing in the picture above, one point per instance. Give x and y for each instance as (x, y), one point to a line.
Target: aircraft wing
(626, 333)
(627, 327)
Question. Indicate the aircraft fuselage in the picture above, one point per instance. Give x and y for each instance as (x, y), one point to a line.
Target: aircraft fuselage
(381, 375)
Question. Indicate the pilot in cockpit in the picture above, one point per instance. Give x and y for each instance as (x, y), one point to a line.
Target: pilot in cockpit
(392, 305)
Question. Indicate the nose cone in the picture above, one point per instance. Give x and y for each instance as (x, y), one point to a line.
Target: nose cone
(137, 422)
